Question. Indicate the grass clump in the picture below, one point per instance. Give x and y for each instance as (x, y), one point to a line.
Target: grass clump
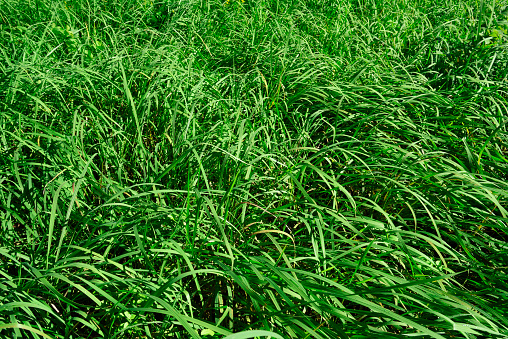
(301, 169)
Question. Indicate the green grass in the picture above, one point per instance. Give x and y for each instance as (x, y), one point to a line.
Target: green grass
(267, 168)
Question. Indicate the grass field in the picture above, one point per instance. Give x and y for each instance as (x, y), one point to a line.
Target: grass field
(254, 169)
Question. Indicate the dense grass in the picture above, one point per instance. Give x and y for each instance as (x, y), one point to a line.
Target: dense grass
(293, 169)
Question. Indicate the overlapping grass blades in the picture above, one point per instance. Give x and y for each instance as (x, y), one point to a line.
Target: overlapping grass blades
(299, 169)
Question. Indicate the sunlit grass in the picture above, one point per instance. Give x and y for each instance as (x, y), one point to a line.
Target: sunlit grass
(247, 169)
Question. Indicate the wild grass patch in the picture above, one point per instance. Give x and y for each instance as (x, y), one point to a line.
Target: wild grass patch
(251, 169)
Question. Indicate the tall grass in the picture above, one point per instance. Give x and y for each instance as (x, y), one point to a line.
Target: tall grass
(253, 169)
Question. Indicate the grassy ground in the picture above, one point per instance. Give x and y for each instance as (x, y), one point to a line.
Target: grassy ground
(293, 169)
